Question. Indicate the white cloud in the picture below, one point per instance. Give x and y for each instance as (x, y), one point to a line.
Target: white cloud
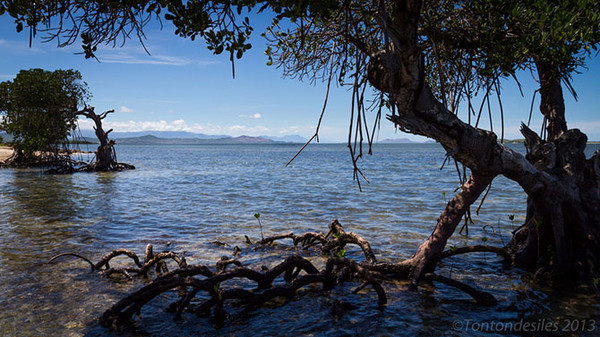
(255, 116)
(125, 109)
(180, 125)
(4, 77)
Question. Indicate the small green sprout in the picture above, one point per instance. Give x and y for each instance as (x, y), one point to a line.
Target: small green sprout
(341, 253)
(257, 216)
(216, 288)
(337, 235)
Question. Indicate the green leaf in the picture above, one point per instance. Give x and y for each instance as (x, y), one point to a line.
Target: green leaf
(341, 253)
(257, 215)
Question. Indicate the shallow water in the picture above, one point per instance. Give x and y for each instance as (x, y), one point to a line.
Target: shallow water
(185, 197)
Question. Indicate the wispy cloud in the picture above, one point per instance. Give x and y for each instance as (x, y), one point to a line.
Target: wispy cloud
(4, 77)
(20, 47)
(136, 58)
(125, 109)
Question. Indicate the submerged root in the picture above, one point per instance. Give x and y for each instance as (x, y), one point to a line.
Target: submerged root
(228, 279)
(295, 270)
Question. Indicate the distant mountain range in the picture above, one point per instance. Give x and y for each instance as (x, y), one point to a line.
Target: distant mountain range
(153, 140)
(402, 141)
(187, 138)
(158, 134)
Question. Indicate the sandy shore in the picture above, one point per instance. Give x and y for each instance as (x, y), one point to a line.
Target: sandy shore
(5, 152)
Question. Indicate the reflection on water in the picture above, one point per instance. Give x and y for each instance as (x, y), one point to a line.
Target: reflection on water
(191, 196)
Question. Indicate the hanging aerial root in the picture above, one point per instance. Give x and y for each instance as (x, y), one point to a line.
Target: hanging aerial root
(337, 270)
(331, 243)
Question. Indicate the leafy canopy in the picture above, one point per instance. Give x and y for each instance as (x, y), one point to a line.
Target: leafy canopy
(39, 106)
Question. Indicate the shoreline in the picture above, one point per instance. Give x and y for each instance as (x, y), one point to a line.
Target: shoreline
(7, 151)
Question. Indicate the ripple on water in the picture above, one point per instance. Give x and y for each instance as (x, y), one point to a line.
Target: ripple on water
(185, 198)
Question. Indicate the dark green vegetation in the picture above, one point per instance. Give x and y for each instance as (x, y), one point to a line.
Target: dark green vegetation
(38, 108)
(421, 61)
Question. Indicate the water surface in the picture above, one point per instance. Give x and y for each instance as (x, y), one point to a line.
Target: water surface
(184, 198)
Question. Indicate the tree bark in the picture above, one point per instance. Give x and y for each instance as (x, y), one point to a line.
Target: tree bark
(562, 230)
(106, 158)
(552, 103)
(430, 251)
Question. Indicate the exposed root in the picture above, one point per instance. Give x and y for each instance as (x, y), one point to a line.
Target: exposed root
(336, 270)
(481, 297)
(139, 268)
(218, 283)
(331, 243)
(500, 251)
(73, 254)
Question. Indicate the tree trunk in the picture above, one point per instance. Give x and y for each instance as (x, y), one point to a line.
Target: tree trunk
(429, 252)
(561, 235)
(106, 158)
(552, 104)
(562, 230)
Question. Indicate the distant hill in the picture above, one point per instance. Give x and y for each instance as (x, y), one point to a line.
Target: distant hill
(397, 141)
(158, 134)
(184, 137)
(153, 140)
(287, 139)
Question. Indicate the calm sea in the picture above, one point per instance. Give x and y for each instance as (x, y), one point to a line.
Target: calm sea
(184, 198)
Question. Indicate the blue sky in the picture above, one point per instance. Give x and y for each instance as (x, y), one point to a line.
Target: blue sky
(183, 86)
